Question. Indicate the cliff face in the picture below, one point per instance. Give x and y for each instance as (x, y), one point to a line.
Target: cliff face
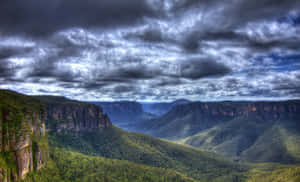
(189, 119)
(23, 142)
(64, 114)
(268, 111)
(23, 119)
(249, 130)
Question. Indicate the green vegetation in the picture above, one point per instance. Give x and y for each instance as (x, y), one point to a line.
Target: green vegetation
(284, 141)
(115, 155)
(13, 100)
(8, 165)
(274, 173)
(251, 139)
(68, 166)
(119, 144)
(20, 126)
(72, 166)
(39, 145)
(58, 100)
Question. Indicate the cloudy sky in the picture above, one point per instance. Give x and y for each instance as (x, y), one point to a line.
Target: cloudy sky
(151, 50)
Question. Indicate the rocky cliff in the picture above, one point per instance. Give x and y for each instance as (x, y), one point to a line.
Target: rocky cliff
(65, 114)
(221, 111)
(249, 131)
(23, 120)
(268, 111)
(189, 119)
(23, 141)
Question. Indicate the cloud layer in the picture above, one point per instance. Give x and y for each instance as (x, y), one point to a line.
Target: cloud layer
(40, 17)
(151, 50)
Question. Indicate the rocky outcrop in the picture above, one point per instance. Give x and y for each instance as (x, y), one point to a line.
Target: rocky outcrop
(23, 142)
(268, 111)
(23, 120)
(189, 119)
(71, 115)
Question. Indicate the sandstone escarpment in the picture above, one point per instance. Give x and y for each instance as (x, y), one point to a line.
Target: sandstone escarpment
(186, 120)
(23, 138)
(23, 142)
(64, 114)
(268, 111)
(222, 111)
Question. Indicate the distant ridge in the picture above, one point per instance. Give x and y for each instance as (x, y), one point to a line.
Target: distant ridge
(242, 130)
(161, 108)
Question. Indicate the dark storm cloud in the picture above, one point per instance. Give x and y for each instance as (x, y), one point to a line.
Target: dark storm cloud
(195, 41)
(151, 35)
(167, 81)
(248, 11)
(50, 65)
(49, 68)
(125, 75)
(124, 88)
(213, 87)
(258, 92)
(233, 13)
(287, 44)
(192, 41)
(200, 68)
(92, 85)
(287, 84)
(7, 70)
(141, 71)
(10, 51)
(186, 4)
(38, 17)
(66, 48)
(120, 49)
(233, 84)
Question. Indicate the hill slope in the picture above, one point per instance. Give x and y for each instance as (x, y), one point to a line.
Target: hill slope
(189, 119)
(251, 138)
(142, 149)
(268, 172)
(83, 127)
(76, 167)
(71, 130)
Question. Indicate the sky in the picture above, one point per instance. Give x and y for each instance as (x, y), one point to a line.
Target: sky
(151, 50)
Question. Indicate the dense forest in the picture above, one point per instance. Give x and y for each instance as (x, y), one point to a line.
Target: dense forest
(92, 149)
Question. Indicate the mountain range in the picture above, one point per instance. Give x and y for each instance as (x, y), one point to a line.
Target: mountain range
(47, 138)
(240, 130)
